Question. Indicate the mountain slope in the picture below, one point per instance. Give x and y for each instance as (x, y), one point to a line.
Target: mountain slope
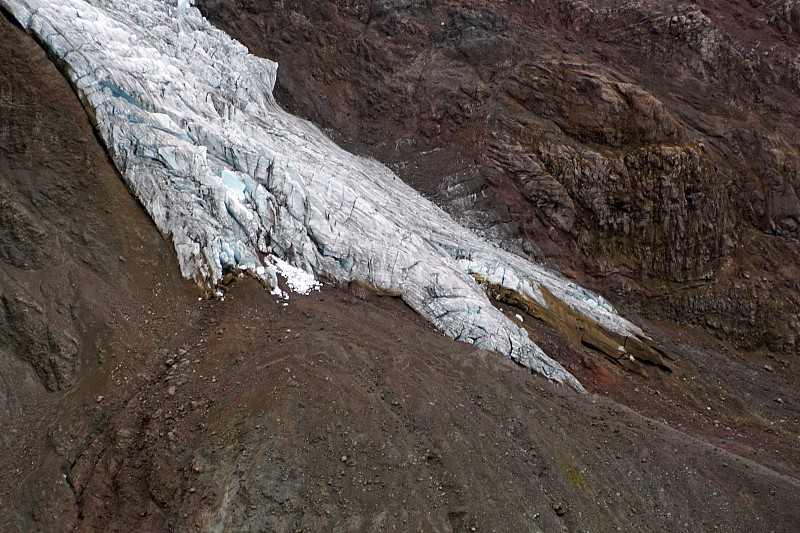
(431, 431)
(649, 149)
(242, 187)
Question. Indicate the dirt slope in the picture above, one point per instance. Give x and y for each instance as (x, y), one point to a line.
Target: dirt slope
(129, 405)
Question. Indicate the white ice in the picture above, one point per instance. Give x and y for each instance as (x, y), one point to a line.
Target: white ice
(189, 119)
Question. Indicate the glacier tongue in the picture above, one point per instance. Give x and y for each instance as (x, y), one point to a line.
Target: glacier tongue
(189, 119)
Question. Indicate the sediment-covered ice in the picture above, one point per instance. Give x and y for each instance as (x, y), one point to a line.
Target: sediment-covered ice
(188, 117)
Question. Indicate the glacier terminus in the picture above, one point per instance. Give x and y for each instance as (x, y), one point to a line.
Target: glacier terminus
(241, 186)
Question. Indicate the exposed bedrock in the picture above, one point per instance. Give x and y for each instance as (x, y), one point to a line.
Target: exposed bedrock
(650, 144)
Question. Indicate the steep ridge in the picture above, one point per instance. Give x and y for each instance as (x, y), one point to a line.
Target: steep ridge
(188, 117)
(187, 415)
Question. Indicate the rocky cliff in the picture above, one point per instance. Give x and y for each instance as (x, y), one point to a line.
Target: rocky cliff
(648, 148)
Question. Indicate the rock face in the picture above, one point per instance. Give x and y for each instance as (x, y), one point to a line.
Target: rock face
(189, 119)
(186, 415)
(652, 145)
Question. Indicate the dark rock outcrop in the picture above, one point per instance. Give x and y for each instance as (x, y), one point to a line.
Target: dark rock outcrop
(650, 144)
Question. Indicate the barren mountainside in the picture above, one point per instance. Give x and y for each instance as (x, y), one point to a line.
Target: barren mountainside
(646, 150)
(648, 147)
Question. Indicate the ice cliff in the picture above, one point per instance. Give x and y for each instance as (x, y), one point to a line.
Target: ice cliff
(239, 185)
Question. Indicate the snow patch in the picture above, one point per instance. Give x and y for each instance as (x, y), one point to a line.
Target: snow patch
(297, 280)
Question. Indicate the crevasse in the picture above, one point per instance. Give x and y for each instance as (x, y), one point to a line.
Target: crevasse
(189, 119)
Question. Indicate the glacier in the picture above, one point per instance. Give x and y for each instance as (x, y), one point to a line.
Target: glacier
(241, 186)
